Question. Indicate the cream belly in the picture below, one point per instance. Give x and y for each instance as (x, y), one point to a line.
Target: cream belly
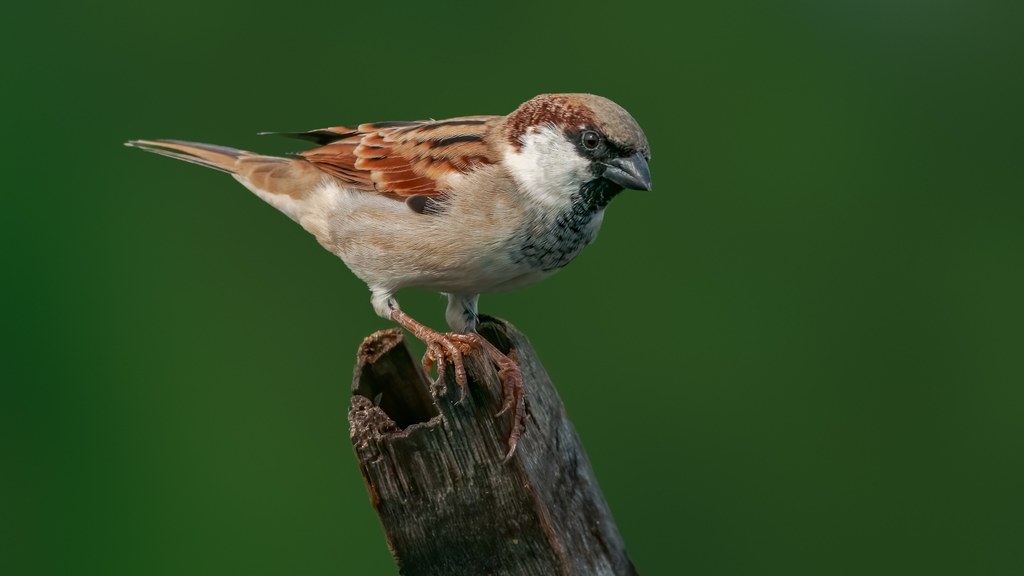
(390, 247)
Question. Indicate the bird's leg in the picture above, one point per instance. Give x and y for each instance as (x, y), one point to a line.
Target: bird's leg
(462, 316)
(441, 348)
(454, 346)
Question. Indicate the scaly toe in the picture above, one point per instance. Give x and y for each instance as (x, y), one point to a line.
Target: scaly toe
(447, 349)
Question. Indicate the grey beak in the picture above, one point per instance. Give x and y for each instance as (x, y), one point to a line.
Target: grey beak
(631, 172)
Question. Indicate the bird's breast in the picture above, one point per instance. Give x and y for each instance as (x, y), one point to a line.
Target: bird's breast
(549, 246)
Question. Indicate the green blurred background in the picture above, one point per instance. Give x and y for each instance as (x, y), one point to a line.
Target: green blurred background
(802, 353)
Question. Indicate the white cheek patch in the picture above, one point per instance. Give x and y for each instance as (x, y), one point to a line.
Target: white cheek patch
(547, 166)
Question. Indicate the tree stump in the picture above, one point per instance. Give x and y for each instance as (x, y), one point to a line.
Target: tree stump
(435, 470)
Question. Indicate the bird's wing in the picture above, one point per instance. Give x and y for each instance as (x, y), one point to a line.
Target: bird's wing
(402, 159)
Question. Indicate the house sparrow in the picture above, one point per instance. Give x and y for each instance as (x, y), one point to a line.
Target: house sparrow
(463, 206)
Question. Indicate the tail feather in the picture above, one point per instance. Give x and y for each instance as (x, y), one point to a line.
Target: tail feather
(288, 184)
(223, 158)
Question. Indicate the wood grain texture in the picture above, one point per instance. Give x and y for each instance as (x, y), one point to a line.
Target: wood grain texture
(435, 473)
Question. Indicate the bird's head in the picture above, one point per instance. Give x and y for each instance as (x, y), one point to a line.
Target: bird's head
(566, 144)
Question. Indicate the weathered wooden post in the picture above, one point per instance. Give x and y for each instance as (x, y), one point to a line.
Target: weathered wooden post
(435, 469)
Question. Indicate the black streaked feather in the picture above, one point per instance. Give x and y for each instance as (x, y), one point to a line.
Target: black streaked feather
(440, 142)
(322, 137)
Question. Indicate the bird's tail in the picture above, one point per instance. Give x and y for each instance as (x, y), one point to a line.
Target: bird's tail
(221, 158)
(288, 184)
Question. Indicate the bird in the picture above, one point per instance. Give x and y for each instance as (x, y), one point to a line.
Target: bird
(463, 206)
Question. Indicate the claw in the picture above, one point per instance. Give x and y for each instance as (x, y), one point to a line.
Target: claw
(434, 356)
(512, 381)
(451, 353)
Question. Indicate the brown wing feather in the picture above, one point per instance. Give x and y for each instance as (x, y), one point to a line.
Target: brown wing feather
(403, 159)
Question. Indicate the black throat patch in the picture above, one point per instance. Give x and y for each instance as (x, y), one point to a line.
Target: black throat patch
(596, 194)
(551, 247)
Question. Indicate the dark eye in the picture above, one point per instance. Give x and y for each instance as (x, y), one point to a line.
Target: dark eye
(591, 139)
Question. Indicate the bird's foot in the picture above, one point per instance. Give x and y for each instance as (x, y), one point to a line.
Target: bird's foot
(513, 400)
(445, 348)
(449, 347)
